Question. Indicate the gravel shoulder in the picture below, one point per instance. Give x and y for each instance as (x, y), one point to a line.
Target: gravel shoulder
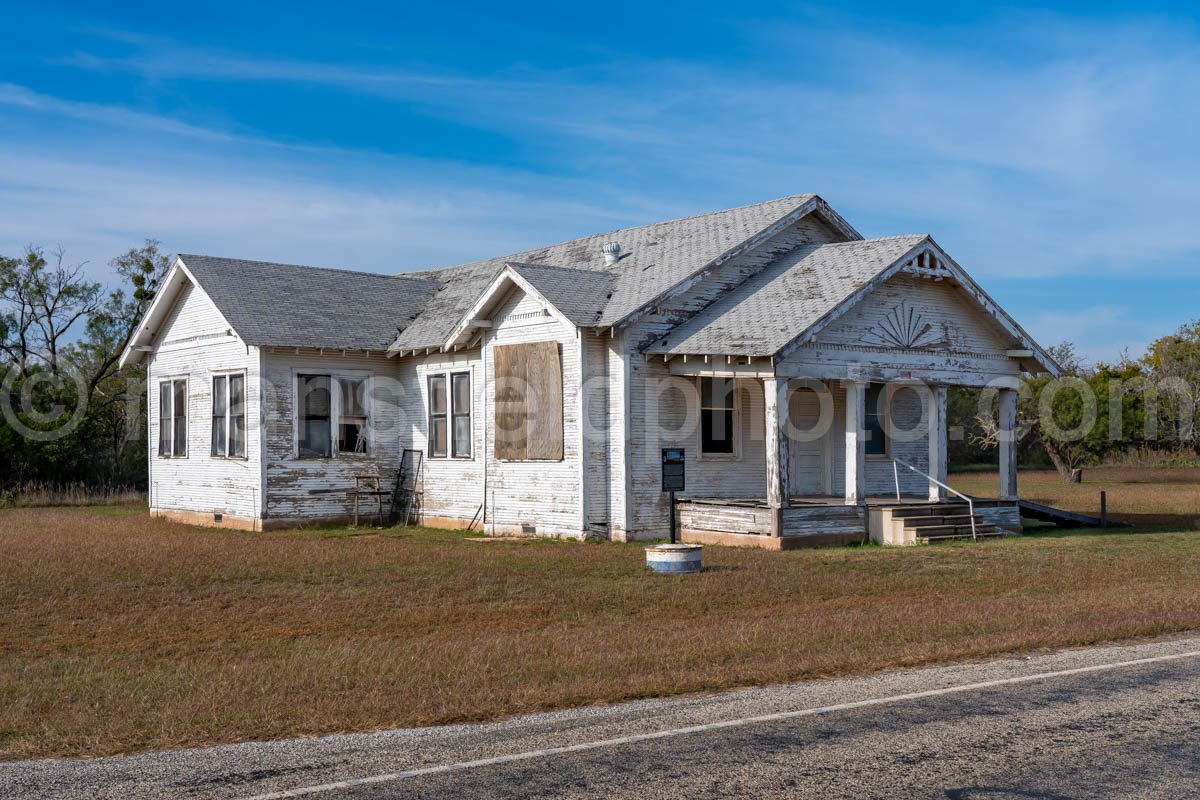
(1118, 698)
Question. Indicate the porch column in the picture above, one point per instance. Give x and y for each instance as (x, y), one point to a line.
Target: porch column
(775, 405)
(1008, 443)
(856, 475)
(936, 414)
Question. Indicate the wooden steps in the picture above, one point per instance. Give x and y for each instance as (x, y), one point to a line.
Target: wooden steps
(935, 522)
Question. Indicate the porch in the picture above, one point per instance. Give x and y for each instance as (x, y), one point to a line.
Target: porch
(828, 521)
(882, 444)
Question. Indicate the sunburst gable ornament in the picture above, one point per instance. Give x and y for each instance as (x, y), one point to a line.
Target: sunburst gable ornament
(904, 327)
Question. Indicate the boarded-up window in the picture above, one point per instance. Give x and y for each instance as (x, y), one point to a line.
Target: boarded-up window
(529, 404)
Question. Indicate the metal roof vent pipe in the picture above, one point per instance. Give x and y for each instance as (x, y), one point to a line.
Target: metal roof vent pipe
(612, 253)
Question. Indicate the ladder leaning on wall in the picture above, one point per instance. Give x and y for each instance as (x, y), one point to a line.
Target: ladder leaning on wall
(406, 496)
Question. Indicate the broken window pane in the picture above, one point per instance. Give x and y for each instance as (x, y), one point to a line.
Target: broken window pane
(352, 422)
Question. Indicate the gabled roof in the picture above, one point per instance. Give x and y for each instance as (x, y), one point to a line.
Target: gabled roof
(792, 299)
(579, 294)
(293, 306)
(765, 313)
(654, 258)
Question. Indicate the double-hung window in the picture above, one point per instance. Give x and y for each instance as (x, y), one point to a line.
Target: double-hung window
(172, 418)
(332, 412)
(450, 415)
(229, 416)
(716, 416)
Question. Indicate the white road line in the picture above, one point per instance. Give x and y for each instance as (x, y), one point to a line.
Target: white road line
(711, 726)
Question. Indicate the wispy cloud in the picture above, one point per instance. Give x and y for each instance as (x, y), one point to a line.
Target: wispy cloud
(1074, 159)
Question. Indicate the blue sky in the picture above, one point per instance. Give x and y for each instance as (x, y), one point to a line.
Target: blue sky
(1052, 150)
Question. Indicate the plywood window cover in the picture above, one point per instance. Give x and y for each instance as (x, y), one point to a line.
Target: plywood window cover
(528, 401)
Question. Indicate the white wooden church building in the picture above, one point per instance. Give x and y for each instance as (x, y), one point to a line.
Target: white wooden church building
(801, 368)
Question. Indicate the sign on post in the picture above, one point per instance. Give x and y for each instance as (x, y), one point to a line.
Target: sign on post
(673, 478)
(672, 469)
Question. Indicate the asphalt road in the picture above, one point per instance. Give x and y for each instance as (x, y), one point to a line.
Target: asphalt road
(1096, 723)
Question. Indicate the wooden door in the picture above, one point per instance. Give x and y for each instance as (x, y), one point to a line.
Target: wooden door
(808, 445)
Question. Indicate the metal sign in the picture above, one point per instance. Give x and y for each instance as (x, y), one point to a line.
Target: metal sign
(673, 478)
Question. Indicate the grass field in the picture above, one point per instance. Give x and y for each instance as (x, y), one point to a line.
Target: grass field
(121, 633)
(1146, 497)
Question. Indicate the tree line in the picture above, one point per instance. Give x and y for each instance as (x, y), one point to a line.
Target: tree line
(70, 415)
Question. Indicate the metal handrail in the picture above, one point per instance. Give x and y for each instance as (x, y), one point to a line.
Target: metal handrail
(951, 490)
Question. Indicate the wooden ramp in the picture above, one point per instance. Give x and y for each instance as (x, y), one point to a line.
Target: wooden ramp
(1063, 519)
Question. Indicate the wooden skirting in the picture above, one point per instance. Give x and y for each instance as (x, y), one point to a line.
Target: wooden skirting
(771, 542)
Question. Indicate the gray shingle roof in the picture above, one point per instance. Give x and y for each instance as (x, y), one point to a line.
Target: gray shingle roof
(294, 306)
(579, 294)
(775, 306)
(653, 259)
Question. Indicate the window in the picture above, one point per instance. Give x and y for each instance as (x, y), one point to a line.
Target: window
(460, 409)
(437, 416)
(450, 415)
(229, 416)
(322, 400)
(352, 415)
(172, 418)
(716, 416)
(873, 417)
(315, 410)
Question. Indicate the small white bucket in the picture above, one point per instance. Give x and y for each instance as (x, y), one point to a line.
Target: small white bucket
(674, 558)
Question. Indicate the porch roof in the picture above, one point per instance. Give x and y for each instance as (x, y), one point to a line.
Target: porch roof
(770, 310)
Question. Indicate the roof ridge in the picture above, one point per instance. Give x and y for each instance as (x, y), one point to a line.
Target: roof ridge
(509, 257)
(340, 270)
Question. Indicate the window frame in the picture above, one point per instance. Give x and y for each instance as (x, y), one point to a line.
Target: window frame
(229, 416)
(449, 415)
(735, 451)
(187, 394)
(335, 411)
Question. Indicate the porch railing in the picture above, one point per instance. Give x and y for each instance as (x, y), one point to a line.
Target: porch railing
(896, 463)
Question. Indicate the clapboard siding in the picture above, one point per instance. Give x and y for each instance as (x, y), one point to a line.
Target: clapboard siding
(595, 434)
(881, 480)
(543, 496)
(195, 343)
(452, 487)
(308, 488)
(824, 521)
(954, 323)
(659, 402)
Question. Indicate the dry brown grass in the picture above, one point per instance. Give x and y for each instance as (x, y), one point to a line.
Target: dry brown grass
(1146, 497)
(39, 495)
(122, 633)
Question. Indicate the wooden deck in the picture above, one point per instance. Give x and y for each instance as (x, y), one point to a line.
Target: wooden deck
(806, 522)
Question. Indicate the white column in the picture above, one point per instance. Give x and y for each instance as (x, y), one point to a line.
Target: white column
(935, 412)
(775, 406)
(1008, 443)
(856, 476)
